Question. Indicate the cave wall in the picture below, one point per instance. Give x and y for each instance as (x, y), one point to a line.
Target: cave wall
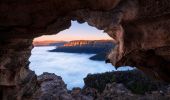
(141, 31)
(139, 27)
(16, 80)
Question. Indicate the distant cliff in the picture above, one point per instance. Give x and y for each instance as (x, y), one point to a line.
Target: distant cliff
(89, 43)
(98, 47)
(49, 43)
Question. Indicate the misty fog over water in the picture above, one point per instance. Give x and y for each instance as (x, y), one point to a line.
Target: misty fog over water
(71, 67)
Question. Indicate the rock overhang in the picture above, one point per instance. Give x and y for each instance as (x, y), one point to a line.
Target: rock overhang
(139, 27)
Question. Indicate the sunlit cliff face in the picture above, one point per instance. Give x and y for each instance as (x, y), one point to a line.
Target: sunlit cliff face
(117, 53)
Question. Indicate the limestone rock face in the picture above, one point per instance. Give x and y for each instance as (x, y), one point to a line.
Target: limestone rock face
(52, 87)
(78, 95)
(15, 76)
(116, 91)
(20, 18)
(139, 27)
(94, 43)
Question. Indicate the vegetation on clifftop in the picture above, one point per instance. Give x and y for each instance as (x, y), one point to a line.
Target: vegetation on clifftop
(134, 80)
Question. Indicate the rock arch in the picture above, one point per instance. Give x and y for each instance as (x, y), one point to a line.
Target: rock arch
(140, 27)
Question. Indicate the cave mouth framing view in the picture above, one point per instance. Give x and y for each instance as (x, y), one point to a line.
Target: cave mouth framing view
(139, 28)
(72, 54)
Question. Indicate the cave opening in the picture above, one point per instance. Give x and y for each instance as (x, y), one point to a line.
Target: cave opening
(138, 26)
(73, 54)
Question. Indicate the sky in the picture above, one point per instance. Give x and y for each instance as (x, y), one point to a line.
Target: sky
(76, 32)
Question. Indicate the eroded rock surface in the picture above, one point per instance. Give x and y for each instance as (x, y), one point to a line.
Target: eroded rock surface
(52, 87)
(139, 27)
(116, 91)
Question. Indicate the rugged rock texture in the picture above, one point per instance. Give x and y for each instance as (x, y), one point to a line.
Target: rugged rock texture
(52, 88)
(134, 80)
(22, 18)
(16, 80)
(139, 27)
(125, 85)
(116, 91)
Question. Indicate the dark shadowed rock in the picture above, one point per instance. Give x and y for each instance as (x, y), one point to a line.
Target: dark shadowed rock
(140, 29)
(52, 87)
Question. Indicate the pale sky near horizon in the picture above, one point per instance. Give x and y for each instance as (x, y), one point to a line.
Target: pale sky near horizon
(76, 32)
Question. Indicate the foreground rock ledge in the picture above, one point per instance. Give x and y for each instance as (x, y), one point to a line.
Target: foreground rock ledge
(140, 29)
(54, 88)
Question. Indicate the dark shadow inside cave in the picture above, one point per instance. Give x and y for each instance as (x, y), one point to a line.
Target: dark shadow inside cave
(140, 28)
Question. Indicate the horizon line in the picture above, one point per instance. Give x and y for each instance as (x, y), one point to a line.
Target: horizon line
(70, 40)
